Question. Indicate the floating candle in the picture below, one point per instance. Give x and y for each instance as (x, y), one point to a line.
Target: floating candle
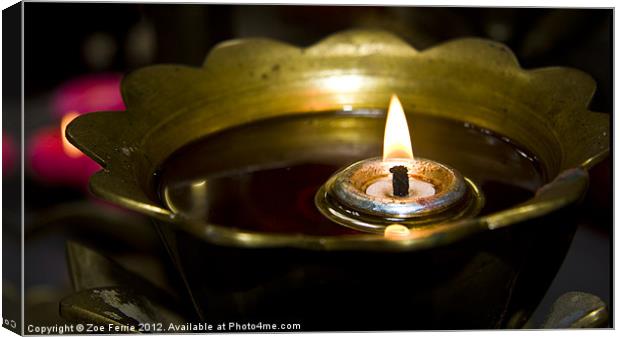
(371, 193)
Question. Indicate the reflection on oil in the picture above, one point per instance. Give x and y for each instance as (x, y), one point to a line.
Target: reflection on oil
(263, 176)
(199, 199)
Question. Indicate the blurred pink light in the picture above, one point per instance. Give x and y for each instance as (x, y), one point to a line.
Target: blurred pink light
(88, 93)
(49, 162)
(49, 157)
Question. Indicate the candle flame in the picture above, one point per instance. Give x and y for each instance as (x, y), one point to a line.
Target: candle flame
(396, 140)
(67, 147)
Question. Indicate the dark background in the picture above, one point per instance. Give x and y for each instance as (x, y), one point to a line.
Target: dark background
(66, 40)
(63, 40)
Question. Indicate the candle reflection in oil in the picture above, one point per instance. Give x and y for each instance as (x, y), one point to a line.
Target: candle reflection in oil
(396, 231)
(199, 198)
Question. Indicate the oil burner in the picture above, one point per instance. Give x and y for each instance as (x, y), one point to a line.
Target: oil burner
(281, 146)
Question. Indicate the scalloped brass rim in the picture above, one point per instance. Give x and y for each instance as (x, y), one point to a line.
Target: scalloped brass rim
(169, 106)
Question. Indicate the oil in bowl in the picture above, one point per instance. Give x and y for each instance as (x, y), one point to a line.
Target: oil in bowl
(263, 176)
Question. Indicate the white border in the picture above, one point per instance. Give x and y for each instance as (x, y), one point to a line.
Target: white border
(479, 3)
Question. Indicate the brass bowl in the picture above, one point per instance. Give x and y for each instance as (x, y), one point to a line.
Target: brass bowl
(471, 80)
(242, 81)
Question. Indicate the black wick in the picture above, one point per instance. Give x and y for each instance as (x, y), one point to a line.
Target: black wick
(400, 181)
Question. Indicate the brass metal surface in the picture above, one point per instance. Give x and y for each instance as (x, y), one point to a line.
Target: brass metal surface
(120, 306)
(575, 310)
(90, 269)
(107, 293)
(242, 81)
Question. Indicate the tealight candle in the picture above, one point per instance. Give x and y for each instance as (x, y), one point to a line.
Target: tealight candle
(371, 194)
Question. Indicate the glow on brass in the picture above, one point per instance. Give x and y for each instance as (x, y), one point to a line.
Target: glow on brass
(346, 83)
(396, 231)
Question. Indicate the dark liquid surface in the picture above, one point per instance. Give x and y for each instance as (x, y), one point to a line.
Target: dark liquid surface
(263, 176)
